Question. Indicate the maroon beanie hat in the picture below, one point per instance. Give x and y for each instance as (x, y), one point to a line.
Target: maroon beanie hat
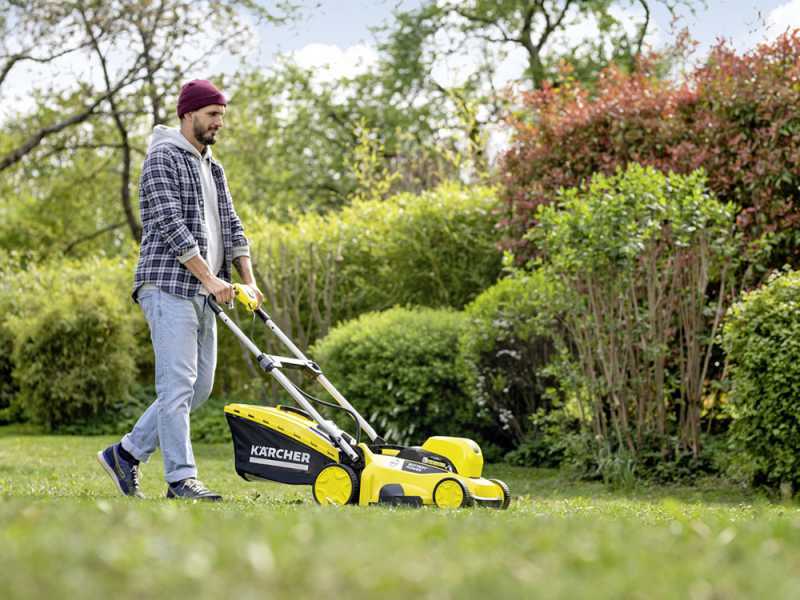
(197, 94)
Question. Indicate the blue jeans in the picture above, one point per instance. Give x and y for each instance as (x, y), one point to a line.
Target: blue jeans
(184, 335)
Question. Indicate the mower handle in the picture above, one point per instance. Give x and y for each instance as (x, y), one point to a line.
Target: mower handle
(271, 365)
(246, 297)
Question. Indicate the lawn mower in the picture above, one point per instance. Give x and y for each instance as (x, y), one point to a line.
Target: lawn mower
(296, 445)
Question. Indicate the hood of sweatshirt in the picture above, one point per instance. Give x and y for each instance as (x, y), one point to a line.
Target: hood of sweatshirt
(172, 135)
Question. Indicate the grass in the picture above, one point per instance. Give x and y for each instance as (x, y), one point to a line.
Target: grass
(64, 533)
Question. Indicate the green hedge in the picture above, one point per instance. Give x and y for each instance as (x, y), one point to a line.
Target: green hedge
(399, 369)
(505, 348)
(762, 341)
(435, 249)
(74, 339)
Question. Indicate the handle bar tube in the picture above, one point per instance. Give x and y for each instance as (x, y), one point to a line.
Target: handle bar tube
(329, 387)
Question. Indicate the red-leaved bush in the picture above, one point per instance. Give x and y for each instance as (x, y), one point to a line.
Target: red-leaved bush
(737, 116)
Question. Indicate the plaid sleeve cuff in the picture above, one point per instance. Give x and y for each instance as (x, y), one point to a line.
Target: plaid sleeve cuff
(191, 253)
(238, 251)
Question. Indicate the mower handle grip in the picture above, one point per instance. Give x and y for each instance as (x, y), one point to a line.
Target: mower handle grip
(212, 303)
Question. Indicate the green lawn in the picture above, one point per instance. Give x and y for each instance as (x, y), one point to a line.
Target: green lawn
(64, 533)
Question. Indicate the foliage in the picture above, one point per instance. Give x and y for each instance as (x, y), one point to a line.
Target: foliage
(399, 368)
(74, 342)
(299, 142)
(505, 348)
(635, 254)
(735, 116)
(433, 249)
(762, 342)
(547, 440)
(209, 425)
(620, 469)
(436, 249)
(58, 204)
(9, 275)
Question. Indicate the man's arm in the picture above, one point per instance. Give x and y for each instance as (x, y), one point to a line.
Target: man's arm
(220, 289)
(161, 204)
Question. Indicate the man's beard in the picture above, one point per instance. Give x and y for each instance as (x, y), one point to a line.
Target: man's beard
(204, 137)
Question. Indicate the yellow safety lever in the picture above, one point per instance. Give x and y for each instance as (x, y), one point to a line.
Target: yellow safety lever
(246, 296)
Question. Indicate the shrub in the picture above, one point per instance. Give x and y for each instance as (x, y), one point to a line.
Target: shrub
(398, 368)
(504, 348)
(209, 424)
(762, 341)
(436, 249)
(74, 349)
(547, 439)
(735, 116)
(636, 255)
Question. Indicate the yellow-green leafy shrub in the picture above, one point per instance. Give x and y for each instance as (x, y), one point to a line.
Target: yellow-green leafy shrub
(74, 341)
(762, 341)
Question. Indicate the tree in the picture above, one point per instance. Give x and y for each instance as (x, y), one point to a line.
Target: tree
(538, 28)
(154, 41)
(297, 142)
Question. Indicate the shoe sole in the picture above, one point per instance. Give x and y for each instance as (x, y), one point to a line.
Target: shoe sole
(110, 470)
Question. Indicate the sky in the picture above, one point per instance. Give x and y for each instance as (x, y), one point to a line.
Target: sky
(336, 33)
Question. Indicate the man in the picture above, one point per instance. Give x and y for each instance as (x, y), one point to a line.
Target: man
(191, 236)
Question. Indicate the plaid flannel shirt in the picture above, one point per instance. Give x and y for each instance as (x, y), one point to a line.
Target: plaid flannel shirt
(173, 228)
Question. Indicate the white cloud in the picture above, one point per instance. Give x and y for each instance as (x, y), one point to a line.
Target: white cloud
(786, 16)
(332, 62)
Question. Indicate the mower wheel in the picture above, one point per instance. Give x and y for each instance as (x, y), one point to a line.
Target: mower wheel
(336, 484)
(506, 493)
(451, 493)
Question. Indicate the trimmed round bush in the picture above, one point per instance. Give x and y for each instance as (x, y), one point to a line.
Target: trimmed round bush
(762, 341)
(398, 368)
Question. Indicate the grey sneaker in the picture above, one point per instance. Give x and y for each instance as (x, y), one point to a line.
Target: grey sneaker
(191, 489)
(124, 474)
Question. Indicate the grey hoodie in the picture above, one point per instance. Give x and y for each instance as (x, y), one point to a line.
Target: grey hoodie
(170, 135)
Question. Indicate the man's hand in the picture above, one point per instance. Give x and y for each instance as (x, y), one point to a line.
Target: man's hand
(257, 292)
(221, 290)
(245, 268)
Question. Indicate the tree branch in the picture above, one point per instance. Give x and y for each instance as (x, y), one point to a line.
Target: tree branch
(125, 176)
(644, 27)
(13, 157)
(69, 247)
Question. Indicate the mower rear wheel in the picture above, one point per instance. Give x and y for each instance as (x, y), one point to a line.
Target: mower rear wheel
(451, 493)
(336, 485)
(506, 493)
